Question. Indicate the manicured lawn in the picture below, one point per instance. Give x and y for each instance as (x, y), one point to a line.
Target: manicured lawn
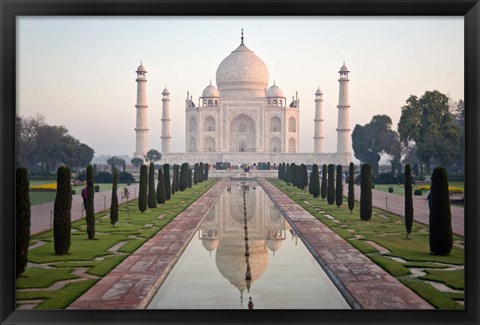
(388, 230)
(133, 229)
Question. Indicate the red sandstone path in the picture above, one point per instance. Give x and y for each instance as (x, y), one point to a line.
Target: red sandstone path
(396, 203)
(42, 214)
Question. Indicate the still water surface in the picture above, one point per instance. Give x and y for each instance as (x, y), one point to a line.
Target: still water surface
(226, 263)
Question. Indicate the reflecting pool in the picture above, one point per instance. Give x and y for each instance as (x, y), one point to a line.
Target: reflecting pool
(246, 255)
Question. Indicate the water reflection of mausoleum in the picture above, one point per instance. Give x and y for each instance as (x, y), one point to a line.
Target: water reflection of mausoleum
(222, 231)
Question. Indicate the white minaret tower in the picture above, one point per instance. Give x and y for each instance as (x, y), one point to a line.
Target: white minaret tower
(343, 129)
(142, 118)
(165, 121)
(318, 132)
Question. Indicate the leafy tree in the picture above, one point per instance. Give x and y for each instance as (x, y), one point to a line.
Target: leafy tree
(373, 139)
(115, 161)
(125, 177)
(339, 187)
(366, 192)
(323, 188)
(153, 155)
(331, 184)
(114, 202)
(408, 200)
(152, 195)
(440, 218)
(143, 191)
(430, 123)
(160, 187)
(184, 177)
(90, 210)
(22, 219)
(351, 189)
(137, 162)
(166, 174)
(62, 207)
(315, 181)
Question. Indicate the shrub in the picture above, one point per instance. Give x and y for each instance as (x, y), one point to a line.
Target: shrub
(417, 192)
(166, 177)
(390, 190)
(114, 202)
(366, 192)
(103, 177)
(125, 177)
(408, 200)
(143, 191)
(74, 192)
(351, 189)
(97, 188)
(323, 188)
(331, 184)
(160, 188)
(22, 219)
(62, 207)
(440, 218)
(152, 196)
(90, 209)
(339, 187)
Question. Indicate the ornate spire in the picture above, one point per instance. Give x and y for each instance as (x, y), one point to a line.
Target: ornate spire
(241, 38)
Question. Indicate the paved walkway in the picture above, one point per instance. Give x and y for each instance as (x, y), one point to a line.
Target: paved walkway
(42, 214)
(365, 285)
(133, 283)
(396, 203)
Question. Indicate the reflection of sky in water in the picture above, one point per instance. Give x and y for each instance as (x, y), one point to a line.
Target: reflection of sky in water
(211, 272)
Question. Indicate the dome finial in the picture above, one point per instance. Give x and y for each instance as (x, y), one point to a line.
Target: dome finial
(241, 38)
(274, 82)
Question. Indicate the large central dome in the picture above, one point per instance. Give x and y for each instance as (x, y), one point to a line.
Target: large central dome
(242, 71)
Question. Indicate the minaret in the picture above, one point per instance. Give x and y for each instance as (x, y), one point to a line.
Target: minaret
(343, 129)
(165, 121)
(318, 131)
(142, 118)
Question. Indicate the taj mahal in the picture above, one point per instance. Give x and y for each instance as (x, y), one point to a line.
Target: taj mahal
(242, 120)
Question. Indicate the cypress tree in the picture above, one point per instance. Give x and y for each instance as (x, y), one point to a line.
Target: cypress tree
(200, 172)
(331, 184)
(440, 218)
(166, 177)
(339, 187)
(22, 219)
(287, 175)
(195, 174)
(408, 200)
(323, 188)
(178, 179)
(143, 191)
(183, 177)
(206, 172)
(152, 196)
(351, 189)
(315, 181)
(160, 188)
(304, 176)
(310, 182)
(62, 212)
(114, 203)
(366, 192)
(90, 211)
(293, 174)
(190, 176)
(174, 179)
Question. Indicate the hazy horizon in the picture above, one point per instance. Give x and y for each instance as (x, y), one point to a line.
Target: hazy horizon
(80, 71)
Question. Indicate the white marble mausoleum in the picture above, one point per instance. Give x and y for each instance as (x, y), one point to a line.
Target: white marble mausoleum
(243, 120)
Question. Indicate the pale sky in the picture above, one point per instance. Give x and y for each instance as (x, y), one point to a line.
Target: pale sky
(80, 72)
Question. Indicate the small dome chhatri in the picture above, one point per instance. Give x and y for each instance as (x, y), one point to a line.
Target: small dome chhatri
(141, 68)
(210, 91)
(274, 91)
(344, 68)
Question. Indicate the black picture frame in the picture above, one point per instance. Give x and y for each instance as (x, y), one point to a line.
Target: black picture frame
(10, 9)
